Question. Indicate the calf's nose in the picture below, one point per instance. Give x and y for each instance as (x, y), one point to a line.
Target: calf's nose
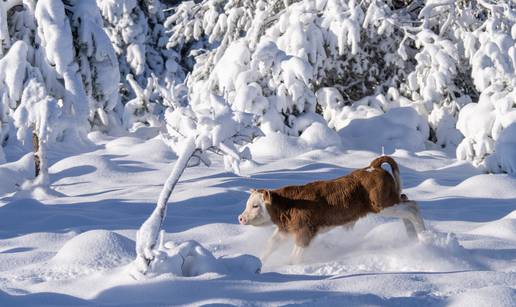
(241, 219)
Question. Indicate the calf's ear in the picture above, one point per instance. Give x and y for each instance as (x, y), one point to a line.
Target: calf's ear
(252, 190)
(266, 196)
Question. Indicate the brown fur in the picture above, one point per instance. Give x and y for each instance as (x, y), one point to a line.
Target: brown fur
(304, 210)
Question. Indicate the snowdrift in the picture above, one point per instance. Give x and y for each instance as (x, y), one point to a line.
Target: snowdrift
(398, 128)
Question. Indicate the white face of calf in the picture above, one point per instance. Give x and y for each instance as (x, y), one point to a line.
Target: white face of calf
(255, 212)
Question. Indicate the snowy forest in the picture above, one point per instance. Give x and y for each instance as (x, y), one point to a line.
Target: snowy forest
(142, 101)
(295, 68)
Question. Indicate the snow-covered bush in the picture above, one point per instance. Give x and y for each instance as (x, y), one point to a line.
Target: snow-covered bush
(140, 110)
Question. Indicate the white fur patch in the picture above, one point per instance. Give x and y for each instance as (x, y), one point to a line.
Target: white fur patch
(387, 167)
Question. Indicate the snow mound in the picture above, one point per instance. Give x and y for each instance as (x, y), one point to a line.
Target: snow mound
(505, 150)
(319, 136)
(192, 259)
(398, 128)
(503, 186)
(504, 228)
(241, 264)
(279, 145)
(96, 249)
(487, 296)
(511, 215)
(13, 174)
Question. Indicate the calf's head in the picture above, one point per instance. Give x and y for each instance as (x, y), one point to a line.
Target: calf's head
(255, 212)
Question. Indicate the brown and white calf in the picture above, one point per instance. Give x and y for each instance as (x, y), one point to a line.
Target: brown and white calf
(304, 211)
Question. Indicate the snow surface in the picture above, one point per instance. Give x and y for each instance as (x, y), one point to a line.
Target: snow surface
(75, 246)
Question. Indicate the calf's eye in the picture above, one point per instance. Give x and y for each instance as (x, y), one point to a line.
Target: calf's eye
(255, 206)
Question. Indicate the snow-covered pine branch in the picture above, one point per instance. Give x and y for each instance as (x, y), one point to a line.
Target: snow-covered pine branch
(140, 111)
(193, 131)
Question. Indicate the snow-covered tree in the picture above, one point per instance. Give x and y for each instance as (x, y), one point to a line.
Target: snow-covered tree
(489, 125)
(289, 63)
(77, 60)
(272, 56)
(216, 23)
(98, 64)
(38, 115)
(466, 70)
(136, 31)
(56, 58)
(12, 75)
(59, 73)
(193, 131)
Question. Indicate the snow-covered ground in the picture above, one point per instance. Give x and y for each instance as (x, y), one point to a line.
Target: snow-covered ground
(73, 245)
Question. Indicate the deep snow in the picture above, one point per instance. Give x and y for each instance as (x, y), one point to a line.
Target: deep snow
(73, 245)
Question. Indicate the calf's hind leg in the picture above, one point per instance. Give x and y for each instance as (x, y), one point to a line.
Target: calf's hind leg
(408, 211)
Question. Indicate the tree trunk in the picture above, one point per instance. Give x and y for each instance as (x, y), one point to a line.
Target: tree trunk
(37, 157)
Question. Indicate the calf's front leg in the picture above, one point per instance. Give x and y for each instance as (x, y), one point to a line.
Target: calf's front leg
(296, 257)
(302, 238)
(273, 243)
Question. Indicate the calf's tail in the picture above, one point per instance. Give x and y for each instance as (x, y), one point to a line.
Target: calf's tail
(394, 167)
